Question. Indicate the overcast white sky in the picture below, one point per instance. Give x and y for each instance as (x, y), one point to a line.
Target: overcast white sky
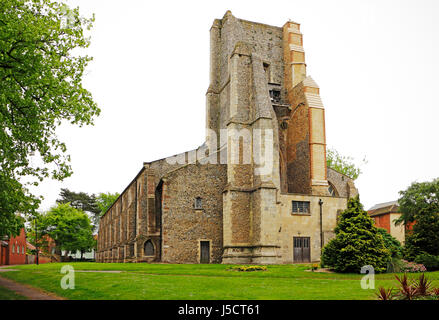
(376, 63)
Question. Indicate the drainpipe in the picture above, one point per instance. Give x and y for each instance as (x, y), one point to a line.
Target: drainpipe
(321, 225)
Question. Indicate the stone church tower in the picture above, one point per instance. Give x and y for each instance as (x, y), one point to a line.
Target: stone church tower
(258, 190)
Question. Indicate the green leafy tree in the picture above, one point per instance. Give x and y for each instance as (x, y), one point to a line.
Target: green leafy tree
(419, 204)
(424, 236)
(106, 200)
(357, 243)
(343, 164)
(96, 206)
(10, 224)
(69, 227)
(13, 198)
(418, 197)
(40, 88)
(34, 233)
(83, 201)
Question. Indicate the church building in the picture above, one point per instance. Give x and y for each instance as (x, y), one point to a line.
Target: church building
(258, 191)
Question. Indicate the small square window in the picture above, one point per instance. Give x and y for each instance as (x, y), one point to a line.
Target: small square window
(301, 207)
(275, 96)
(198, 203)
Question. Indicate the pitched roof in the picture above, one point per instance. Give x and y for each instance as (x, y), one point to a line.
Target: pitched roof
(383, 208)
(30, 246)
(384, 204)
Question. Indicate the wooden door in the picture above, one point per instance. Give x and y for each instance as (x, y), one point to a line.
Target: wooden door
(4, 252)
(302, 249)
(204, 252)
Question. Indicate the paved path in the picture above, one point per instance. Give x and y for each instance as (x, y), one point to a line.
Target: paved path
(7, 270)
(100, 271)
(24, 290)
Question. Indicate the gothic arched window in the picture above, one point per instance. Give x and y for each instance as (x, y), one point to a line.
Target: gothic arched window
(148, 248)
(332, 191)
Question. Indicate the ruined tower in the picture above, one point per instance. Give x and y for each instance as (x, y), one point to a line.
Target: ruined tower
(258, 190)
(259, 86)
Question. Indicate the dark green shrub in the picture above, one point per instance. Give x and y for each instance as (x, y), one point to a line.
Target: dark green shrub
(410, 251)
(329, 255)
(430, 261)
(391, 243)
(357, 243)
(396, 265)
(424, 236)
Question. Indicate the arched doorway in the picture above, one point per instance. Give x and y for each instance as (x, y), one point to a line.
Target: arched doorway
(148, 248)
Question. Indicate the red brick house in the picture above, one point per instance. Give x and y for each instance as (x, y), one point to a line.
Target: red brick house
(384, 215)
(13, 249)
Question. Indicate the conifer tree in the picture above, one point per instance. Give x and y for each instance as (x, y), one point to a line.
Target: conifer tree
(357, 243)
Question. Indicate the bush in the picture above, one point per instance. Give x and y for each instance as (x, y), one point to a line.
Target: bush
(413, 267)
(391, 243)
(409, 251)
(249, 268)
(396, 265)
(430, 261)
(357, 243)
(329, 255)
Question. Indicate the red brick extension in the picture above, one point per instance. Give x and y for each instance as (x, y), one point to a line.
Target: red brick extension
(13, 250)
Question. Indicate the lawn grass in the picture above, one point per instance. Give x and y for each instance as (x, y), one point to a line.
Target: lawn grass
(198, 281)
(6, 294)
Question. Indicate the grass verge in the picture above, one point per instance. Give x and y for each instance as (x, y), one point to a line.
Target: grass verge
(204, 282)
